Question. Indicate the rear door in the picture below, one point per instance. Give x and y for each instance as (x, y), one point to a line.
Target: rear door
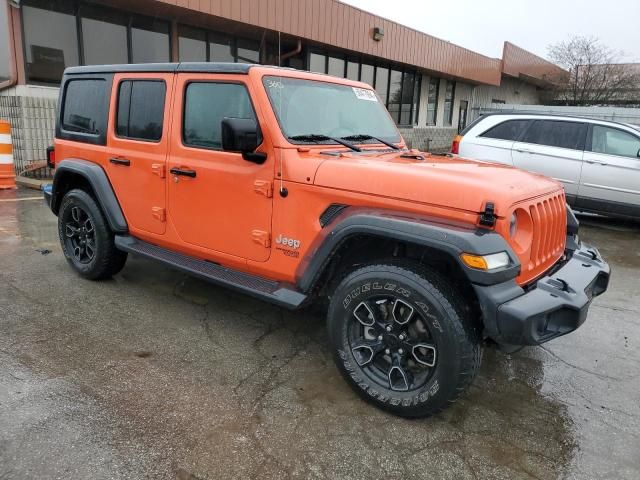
(138, 145)
(217, 199)
(611, 173)
(553, 148)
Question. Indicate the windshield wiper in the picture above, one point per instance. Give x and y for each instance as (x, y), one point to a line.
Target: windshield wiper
(364, 136)
(314, 137)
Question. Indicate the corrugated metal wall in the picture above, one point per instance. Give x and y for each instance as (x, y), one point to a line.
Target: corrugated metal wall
(343, 26)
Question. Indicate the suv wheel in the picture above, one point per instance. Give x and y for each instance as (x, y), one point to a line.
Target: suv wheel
(402, 338)
(85, 237)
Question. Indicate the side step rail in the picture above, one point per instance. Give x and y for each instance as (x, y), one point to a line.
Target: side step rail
(264, 289)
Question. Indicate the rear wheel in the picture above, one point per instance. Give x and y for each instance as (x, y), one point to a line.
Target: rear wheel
(85, 237)
(402, 338)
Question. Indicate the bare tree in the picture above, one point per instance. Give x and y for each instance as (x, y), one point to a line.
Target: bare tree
(595, 76)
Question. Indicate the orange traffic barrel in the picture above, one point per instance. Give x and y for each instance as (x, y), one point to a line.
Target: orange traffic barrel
(7, 171)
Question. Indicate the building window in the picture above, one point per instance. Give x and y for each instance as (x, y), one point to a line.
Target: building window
(51, 39)
(366, 74)
(220, 48)
(398, 89)
(449, 95)
(353, 70)
(395, 92)
(149, 41)
(5, 53)
(432, 100)
(101, 28)
(248, 51)
(336, 67)
(192, 44)
(140, 109)
(382, 83)
(317, 63)
(206, 104)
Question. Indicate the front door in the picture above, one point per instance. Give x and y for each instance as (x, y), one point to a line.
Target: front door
(217, 199)
(553, 148)
(138, 146)
(611, 172)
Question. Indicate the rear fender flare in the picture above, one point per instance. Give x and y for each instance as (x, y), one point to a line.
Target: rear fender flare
(97, 178)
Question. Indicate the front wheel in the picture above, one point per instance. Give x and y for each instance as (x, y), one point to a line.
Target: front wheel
(85, 237)
(403, 339)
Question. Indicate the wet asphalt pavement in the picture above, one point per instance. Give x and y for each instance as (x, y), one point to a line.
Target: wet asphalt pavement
(157, 375)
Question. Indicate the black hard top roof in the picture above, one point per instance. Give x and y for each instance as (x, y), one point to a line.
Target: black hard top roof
(198, 67)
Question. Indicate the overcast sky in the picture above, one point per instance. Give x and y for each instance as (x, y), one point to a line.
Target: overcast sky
(483, 25)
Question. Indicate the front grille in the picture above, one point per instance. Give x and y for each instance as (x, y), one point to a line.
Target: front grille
(549, 230)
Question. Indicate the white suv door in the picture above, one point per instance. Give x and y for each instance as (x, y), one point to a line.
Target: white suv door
(553, 148)
(611, 172)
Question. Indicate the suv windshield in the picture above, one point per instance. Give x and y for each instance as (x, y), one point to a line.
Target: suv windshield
(310, 111)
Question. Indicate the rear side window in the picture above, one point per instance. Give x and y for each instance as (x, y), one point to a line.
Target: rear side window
(554, 133)
(614, 142)
(509, 130)
(206, 105)
(140, 111)
(84, 109)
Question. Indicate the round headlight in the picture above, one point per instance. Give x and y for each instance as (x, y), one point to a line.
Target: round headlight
(513, 225)
(521, 230)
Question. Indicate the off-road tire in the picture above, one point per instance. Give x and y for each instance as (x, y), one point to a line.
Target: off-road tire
(457, 351)
(106, 260)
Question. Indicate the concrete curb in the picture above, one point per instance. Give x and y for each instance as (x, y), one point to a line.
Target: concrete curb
(33, 183)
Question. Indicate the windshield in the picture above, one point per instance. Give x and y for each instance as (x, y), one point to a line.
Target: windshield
(313, 111)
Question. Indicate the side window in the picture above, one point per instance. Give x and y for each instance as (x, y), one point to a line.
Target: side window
(84, 109)
(509, 130)
(206, 104)
(555, 133)
(140, 111)
(614, 142)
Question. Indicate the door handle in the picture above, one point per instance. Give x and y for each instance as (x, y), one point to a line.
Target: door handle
(596, 162)
(523, 151)
(183, 171)
(120, 161)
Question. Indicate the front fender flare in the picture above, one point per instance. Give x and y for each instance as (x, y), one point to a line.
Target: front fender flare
(451, 238)
(99, 182)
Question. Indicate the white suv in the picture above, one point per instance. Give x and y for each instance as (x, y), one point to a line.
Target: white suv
(597, 161)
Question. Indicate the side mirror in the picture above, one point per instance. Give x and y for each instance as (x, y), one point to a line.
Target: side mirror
(242, 135)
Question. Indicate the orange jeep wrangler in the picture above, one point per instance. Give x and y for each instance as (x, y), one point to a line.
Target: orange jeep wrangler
(295, 187)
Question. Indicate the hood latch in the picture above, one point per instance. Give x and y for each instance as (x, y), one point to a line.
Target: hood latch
(488, 217)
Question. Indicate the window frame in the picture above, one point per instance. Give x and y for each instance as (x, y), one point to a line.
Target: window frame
(117, 109)
(217, 82)
(588, 147)
(581, 146)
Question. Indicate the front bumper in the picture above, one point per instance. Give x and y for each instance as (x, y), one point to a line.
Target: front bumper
(556, 305)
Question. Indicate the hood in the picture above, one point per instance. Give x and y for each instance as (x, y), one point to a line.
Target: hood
(443, 181)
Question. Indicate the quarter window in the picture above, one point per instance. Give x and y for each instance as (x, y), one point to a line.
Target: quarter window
(614, 142)
(206, 105)
(141, 109)
(509, 130)
(84, 109)
(555, 133)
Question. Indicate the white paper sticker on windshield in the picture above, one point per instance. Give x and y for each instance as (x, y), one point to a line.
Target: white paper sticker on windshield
(364, 94)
